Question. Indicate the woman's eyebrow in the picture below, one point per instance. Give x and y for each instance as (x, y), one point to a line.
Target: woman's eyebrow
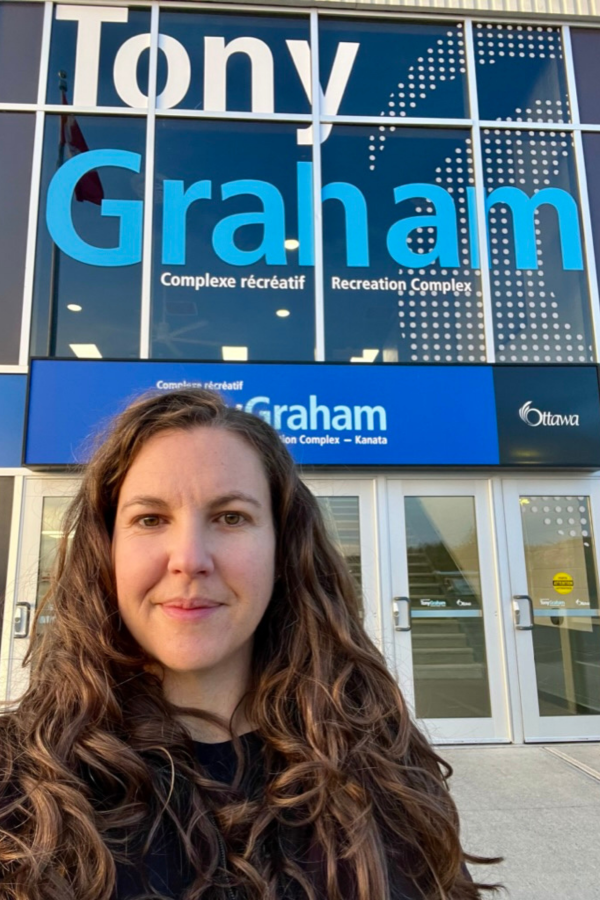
(232, 496)
(222, 500)
(146, 500)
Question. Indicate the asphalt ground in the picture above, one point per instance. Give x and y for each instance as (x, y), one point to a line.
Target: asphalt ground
(538, 806)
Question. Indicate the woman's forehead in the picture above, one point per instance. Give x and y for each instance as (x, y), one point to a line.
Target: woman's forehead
(199, 459)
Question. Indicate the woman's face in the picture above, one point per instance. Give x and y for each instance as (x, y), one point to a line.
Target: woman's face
(194, 549)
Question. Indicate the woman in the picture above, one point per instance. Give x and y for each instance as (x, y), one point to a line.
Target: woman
(206, 716)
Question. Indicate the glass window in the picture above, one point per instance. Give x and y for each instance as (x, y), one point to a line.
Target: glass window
(16, 148)
(86, 41)
(539, 285)
(233, 276)
(53, 513)
(394, 68)
(401, 276)
(6, 501)
(87, 286)
(563, 586)
(448, 639)
(586, 59)
(241, 63)
(20, 39)
(520, 73)
(342, 520)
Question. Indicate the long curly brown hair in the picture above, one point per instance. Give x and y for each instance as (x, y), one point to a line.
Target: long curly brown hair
(95, 752)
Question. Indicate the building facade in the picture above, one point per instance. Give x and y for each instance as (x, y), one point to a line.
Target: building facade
(377, 226)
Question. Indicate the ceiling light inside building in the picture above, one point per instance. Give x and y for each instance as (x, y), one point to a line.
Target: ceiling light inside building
(74, 307)
(291, 244)
(282, 313)
(367, 356)
(86, 351)
(237, 354)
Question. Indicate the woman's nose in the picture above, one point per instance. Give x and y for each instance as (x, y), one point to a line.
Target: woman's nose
(190, 552)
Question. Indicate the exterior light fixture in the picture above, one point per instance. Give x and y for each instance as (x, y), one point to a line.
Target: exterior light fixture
(368, 356)
(86, 351)
(74, 307)
(282, 313)
(235, 354)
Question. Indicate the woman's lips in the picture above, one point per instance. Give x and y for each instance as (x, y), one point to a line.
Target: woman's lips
(189, 613)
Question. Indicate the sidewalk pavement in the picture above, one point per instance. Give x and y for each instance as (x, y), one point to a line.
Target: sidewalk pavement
(539, 807)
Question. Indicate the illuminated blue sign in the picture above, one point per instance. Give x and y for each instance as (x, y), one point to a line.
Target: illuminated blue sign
(325, 414)
(342, 415)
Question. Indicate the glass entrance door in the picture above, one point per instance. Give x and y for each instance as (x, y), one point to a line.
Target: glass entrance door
(448, 642)
(552, 531)
(348, 508)
(45, 501)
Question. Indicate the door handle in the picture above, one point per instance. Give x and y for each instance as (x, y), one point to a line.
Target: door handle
(519, 624)
(401, 607)
(22, 620)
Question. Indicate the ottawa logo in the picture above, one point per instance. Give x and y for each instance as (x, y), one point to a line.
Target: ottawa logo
(534, 417)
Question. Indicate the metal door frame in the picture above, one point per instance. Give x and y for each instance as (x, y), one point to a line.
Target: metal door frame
(536, 728)
(497, 728)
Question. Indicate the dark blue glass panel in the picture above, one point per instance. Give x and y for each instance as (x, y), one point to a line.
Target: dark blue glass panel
(108, 297)
(541, 314)
(520, 73)
(16, 150)
(274, 67)
(586, 59)
(63, 48)
(400, 68)
(193, 319)
(384, 310)
(20, 39)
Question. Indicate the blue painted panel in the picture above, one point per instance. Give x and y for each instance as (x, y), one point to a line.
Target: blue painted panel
(326, 414)
(12, 414)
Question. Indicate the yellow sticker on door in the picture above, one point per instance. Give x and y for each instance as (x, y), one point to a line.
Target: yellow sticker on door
(562, 583)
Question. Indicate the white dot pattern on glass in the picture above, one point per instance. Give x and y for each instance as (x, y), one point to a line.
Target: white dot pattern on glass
(495, 42)
(529, 322)
(439, 328)
(550, 518)
(446, 328)
(443, 62)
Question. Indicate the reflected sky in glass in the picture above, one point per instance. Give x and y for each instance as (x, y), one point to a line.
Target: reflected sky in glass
(400, 68)
(520, 73)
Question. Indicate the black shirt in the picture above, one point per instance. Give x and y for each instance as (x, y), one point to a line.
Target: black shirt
(166, 866)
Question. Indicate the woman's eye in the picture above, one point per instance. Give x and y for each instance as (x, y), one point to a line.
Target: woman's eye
(149, 521)
(232, 518)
